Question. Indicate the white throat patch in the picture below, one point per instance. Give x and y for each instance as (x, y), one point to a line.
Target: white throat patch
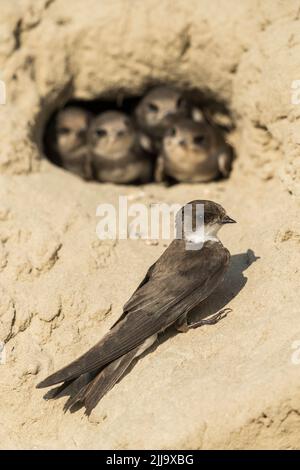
(201, 236)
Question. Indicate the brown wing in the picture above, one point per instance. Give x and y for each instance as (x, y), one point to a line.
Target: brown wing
(178, 281)
(125, 311)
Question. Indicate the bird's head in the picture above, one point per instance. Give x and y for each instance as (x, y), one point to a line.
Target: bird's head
(200, 220)
(71, 128)
(111, 135)
(159, 106)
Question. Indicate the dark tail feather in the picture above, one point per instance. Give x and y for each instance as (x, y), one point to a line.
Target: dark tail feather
(75, 402)
(59, 391)
(76, 385)
(71, 387)
(90, 395)
(88, 389)
(77, 393)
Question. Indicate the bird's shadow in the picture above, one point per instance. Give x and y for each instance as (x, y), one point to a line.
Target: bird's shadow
(232, 284)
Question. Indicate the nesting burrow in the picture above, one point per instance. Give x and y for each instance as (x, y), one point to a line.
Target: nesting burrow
(112, 58)
(167, 134)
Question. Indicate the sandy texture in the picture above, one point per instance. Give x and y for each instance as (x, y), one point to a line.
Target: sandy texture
(232, 385)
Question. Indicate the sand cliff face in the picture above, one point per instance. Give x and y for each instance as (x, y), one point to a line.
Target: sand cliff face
(234, 385)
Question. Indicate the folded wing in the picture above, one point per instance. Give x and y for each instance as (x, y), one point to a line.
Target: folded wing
(172, 287)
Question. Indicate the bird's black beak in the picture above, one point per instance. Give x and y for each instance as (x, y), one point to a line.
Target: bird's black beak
(228, 220)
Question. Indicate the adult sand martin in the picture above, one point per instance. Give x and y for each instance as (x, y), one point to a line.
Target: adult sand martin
(179, 281)
(70, 140)
(118, 152)
(154, 111)
(193, 152)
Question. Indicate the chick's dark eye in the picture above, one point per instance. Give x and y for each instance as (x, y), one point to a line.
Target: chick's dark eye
(152, 107)
(100, 132)
(171, 132)
(180, 102)
(64, 131)
(121, 132)
(199, 139)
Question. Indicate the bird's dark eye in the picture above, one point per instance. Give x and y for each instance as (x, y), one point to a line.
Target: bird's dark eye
(199, 139)
(100, 132)
(152, 107)
(121, 132)
(171, 132)
(64, 131)
(180, 102)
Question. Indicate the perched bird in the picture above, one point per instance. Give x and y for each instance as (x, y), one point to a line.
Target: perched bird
(70, 140)
(189, 270)
(118, 152)
(193, 152)
(154, 111)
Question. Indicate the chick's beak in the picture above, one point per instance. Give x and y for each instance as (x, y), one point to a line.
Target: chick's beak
(228, 220)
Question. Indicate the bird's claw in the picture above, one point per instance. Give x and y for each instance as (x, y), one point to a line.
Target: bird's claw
(213, 319)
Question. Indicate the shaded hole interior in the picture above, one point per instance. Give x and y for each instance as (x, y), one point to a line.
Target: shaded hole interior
(214, 108)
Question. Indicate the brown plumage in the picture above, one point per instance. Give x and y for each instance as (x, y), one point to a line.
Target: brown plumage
(193, 152)
(156, 110)
(179, 280)
(70, 140)
(118, 152)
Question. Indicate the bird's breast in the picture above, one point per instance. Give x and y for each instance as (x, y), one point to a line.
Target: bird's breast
(190, 165)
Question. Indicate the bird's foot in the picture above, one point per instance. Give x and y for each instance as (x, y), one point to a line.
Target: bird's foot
(212, 320)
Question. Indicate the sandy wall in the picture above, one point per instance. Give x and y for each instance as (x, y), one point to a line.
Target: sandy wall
(229, 386)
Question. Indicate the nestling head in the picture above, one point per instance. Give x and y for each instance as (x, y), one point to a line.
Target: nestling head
(158, 107)
(189, 138)
(71, 128)
(111, 134)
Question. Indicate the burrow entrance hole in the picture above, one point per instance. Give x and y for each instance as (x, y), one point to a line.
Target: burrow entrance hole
(216, 112)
